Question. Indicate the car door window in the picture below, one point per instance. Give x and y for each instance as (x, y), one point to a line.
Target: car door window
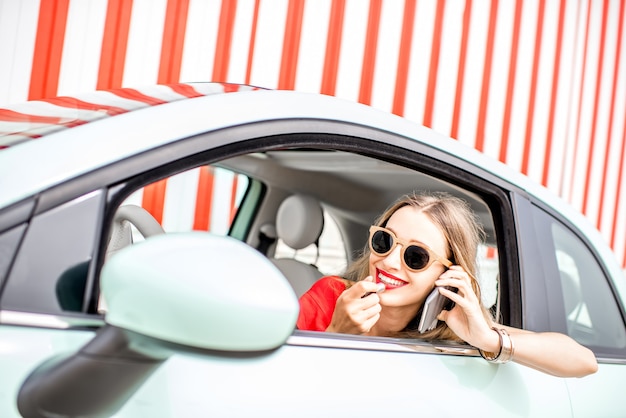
(206, 198)
(592, 314)
(50, 272)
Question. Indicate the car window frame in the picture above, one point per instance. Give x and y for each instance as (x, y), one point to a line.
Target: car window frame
(178, 156)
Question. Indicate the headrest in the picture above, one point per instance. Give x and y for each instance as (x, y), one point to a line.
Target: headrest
(299, 221)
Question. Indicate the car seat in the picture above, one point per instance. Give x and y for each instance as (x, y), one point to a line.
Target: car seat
(299, 223)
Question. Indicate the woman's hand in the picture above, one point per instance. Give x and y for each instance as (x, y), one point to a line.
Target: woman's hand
(355, 314)
(466, 319)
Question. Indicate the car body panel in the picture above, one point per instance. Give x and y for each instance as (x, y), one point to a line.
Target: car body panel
(336, 373)
(23, 347)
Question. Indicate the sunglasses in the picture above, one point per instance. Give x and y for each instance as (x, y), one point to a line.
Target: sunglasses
(416, 256)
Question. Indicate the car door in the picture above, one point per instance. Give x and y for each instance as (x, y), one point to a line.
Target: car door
(585, 304)
(312, 373)
(342, 375)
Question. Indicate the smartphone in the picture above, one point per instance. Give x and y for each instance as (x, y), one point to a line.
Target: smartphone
(434, 304)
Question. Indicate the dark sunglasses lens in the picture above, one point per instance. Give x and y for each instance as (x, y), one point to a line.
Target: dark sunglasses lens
(415, 257)
(381, 242)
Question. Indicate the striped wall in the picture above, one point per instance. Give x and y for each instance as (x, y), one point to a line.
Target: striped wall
(537, 84)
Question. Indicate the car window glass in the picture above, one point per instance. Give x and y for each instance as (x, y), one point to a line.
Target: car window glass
(208, 198)
(201, 199)
(51, 269)
(592, 314)
(9, 242)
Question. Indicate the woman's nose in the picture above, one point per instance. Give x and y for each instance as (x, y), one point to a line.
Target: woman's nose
(393, 259)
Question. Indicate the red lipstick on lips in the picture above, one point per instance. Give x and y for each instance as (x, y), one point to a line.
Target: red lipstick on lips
(389, 286)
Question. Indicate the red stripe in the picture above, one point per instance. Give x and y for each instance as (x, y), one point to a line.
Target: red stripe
(620, 171)
(173, 40)
(596, 105)
(291, 45)
(204, 198)
(233, 199)
(224, 40)
(232, 88)
(580, 93)
(333, 47)
(510, 88)
(369, 56)
(46, 65)
(434, 64)
(460, 77)
(153, 199)
(73, 103)
(133, 94)
(486, 82)
(255, 20)
(530, 114)
(114, 44)
(7, 115)
(404, 58)
(553, 95)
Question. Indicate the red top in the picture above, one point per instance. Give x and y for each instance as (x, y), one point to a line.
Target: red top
(318, 304)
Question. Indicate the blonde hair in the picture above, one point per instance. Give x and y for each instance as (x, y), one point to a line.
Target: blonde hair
(462, 232)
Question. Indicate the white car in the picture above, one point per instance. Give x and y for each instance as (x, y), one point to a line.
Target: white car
(145, 271)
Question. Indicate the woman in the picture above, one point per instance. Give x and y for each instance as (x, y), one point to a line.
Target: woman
(419, 243)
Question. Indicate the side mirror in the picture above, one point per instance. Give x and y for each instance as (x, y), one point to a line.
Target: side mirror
(187, 292)
(200, 290)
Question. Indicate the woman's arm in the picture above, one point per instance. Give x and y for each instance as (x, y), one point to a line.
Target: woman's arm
(550, 352)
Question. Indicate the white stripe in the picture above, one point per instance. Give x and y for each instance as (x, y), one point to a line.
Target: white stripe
(602, 128)
(572, 128)
(561, 148)
(145, 38)
(421, 46)
(543, 91)
(220, 205)
(620, 224)
(240, 46)
(200, 40)
(18, 30)
(313, 41)
(269, 44)
(82, 47)
(501, 60)
(521, 93)
(180, 201)
(619, 116)
(448, 68)
(473, 72)
(586, 115)
(387, 51)
(352, 49)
